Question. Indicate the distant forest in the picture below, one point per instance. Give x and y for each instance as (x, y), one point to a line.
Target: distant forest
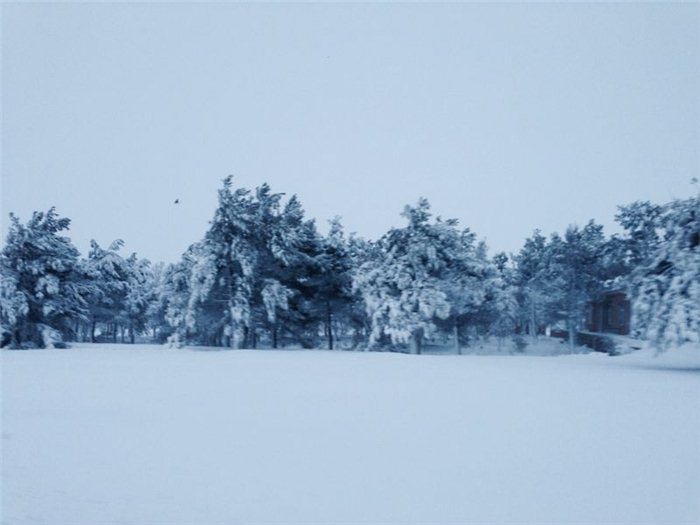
(262, 276)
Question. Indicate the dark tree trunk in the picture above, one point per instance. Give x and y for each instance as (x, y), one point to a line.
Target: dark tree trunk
(416, 342)
(246, 338)
(572, 334)
(329, 325)
(456, 333)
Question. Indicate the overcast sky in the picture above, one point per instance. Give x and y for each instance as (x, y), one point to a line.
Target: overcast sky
(507, 117)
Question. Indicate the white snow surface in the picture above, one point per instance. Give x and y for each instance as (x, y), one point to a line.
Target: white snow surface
(110, 434)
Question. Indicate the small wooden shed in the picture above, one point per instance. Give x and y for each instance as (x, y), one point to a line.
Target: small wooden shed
(610, 314)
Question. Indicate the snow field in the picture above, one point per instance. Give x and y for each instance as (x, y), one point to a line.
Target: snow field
(150, 435)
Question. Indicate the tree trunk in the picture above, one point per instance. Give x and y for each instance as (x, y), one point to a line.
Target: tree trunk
(132, 337)
(329, 324)
(572, 335)
(233, 339)
(570, 309)
(416, 342)
(456, 334)
(92, 330)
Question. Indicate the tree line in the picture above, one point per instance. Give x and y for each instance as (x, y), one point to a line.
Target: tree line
(263, 276)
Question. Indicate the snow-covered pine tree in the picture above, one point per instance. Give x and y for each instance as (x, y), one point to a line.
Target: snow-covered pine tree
(502, 301)
(333, 282)
(269, 297)
(576, 262)
(109, 271)
(155, 314)
(464, 280)
(254, 270)
(403, 292)
(298, 248)
(361, 251)
(666, 284)
(172, 300)
(539, 286)
(14, 308)
(221, 283)
(139, 296)
(642, 223)
(42, 289)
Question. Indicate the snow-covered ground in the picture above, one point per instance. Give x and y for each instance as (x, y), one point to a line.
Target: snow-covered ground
(151, 435)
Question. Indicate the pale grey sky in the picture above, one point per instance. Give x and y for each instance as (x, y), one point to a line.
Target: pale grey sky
(509, 117)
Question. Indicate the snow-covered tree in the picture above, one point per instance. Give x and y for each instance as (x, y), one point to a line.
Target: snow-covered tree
(539, 285)
(169, 312)
(14, 307)
(254, 271)
(110, 273)
(224, 268)
(666, 283)
(333, 282)
(42, 289)
(360, 251)
(402, 291)
(501, 300)
(139, 296)
(465, 281)
(576, 264)
(643, 227)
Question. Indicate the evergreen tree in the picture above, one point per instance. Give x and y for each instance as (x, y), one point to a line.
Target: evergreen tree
(539, 286)
(299, 249)
(576, 263)
(109, 271)
(333, 282)
(361, 252)
(666, 284)
(256, 268)
(403, 293)
(224, 268)
(139, 296)
(502, 301)
(173, 294)
(465, 281)
(42, 289)
(643, 224)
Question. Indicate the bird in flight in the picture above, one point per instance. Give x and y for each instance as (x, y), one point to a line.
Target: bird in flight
(177, 201)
